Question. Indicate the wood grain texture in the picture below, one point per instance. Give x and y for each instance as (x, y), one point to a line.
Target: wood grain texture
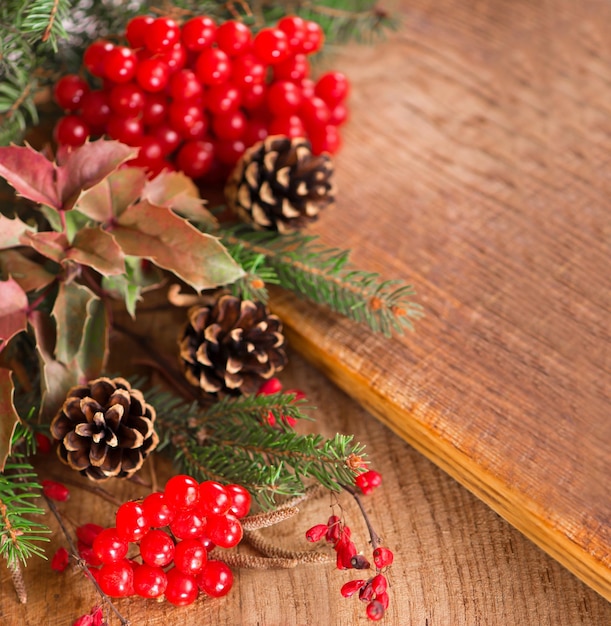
(476, 165)
(456, 561)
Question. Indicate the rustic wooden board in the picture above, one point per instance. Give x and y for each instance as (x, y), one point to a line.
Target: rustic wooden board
(476, 165)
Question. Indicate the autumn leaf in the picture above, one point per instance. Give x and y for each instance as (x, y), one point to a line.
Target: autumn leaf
(30, 173)
(97, 249)
(13, 310)
(11, 231)
(70, 312)
(94, 348)
(177, 191)
(50, 244)
(87, 165)
(9, 417)
(158, 234)
(112, 195)
(30, 275)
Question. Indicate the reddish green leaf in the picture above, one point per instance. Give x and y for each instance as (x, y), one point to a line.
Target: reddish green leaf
(30, 173)
(9, 417)
(11, 231)
(13, 310)
(93, 351)
(155, 233)
(56, 378)
(98, 249)
(30, 275)
(112, 195)
(50, 244)
(87, 165)
(70, 312)
(176, 191)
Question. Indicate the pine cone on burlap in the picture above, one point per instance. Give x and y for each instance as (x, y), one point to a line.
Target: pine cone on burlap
(231, 346)
(105, 429)
(278, 184)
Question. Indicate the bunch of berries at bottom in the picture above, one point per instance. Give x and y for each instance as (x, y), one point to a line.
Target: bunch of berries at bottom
(371, 590)
(174, 531)
(194, 96)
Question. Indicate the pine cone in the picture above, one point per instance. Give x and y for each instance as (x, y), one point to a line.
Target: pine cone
(105, 429)
(231, 346)
(278, 184)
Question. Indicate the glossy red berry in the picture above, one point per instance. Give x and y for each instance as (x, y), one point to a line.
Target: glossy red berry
(60, 560)
(294, 28)
(317, 532)
(162, 34)
(326, 139)
(351, 587)
(95, 110)
(88, 555)
(120, 64)
(224, 530)
(271, 45)
(228, 152)
(315, 113)
(189, 524)
(69, 91)
(109, 546)
(71, 130)
(295, 69)
(190, 556)
(284, 97)
(240, 500)
(213, 67)
(181, 589)
(155, 109)
(95, 55)
(334, 529)
(182, 491)
(368, 481)
(136, 30)
(270, 386)
(288, 125)
(195, 158)
(130, 521)
(128, 130)
(379, 583)
(169, 140)
(339, 114)
(223, 98)
(182, 116)
(229, 125)
(175, 57)
(382, 557)
(253, 96)
(213, 498)
(313, 38)
(233, 38)
(116, 579)
(88, 532)
(149, 581)
(157, 511)
(157, 548)
(216, 579)
(152, 75)
(247, 69)
(375, 610)
(383, 599)
(55, 491)
(126, 99)
(43, 443)
(198, 33)
(333, 88)
(184, 85)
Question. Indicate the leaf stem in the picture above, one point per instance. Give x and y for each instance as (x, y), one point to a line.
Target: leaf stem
(373, 535)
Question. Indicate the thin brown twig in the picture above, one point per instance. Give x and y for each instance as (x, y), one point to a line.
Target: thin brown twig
(52, 17)
(81, 563)
(373, 535)
(98, 491)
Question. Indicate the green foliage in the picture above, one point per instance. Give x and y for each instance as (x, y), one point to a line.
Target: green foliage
(20, 535)
(308, 268)
(232, 441)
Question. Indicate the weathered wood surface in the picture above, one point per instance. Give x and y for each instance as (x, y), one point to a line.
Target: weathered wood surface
(456, 561)
(476, 165)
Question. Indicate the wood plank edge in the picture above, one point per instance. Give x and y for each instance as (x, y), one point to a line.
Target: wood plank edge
(525, 515)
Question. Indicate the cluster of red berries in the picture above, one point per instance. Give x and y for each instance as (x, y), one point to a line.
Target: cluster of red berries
(194, 96)
(272, 386)
(174, 530)
(95, 617)
(368, 481)
(372, 590)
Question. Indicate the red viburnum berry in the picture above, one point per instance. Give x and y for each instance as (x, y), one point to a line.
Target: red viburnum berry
(55, 491)
(382, 557)
(43, 443)
(60, 560)
(88, 532)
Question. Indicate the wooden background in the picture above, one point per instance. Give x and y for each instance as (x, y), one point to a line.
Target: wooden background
(476, 166)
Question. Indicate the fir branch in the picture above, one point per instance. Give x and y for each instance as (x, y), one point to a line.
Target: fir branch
(44, 21)
(323, 275)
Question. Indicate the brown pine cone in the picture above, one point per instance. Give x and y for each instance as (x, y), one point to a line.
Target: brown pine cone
(278, 184)
(105, 429)
(232, 346)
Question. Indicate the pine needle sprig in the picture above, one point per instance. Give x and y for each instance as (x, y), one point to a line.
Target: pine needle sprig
(252, 285)
(44, 21)
(323, 275)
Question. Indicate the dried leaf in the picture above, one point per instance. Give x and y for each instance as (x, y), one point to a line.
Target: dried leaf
(13, 310)
(176, 191)
(98, 249)
(30, 275)
(50, 244)
(30, 173)
(153, 232)
(87, 165)
(112, 195)
(9, 418)
(70, 312)
(11, 231)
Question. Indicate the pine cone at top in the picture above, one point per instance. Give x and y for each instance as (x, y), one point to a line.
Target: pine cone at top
(231, 346)
(105, 429)
(278, 184)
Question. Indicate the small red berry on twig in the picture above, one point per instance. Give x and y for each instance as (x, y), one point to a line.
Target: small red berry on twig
(55, 491)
